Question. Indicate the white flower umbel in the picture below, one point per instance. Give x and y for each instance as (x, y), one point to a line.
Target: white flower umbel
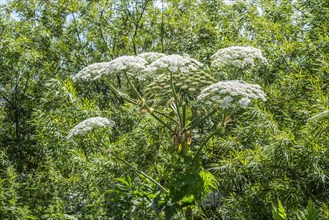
(229, 90)
(129, 64)
(238, 57)
(175, 64)
(88, 125)
(151, 56)
(92, 71)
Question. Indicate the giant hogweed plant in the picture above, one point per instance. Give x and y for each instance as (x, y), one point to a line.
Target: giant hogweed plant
(180, 93)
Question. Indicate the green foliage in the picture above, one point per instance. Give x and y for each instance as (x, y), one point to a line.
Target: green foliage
(278, 213)
(11, 206)
(270, 161)
(310, 213)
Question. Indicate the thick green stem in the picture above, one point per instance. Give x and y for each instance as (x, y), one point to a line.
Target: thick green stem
(176, 99)
(184, 113)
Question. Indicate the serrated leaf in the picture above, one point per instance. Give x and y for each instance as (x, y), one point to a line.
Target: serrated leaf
(209, 181)
(279, 213)
(311, 212)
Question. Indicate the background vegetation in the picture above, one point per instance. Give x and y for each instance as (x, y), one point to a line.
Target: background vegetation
(272, 161)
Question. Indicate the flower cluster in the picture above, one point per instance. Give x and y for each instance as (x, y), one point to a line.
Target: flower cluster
(134, 65)
(123, 63)
(88, 125)
(150, 56)
(184, 75)
(226, 91)
(238, 57)
(127, 63)
(175, 64)
(92, 71)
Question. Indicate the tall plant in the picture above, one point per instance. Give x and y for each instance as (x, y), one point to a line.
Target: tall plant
(182, 94)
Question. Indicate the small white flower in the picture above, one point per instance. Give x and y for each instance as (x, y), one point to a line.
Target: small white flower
(88, 125)
(238, 57)
(175, 64)
(127, 63)
(229, 90)
(124, 63)
(92, 71)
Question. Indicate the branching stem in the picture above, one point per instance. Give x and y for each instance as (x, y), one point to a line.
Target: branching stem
(146, 106)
